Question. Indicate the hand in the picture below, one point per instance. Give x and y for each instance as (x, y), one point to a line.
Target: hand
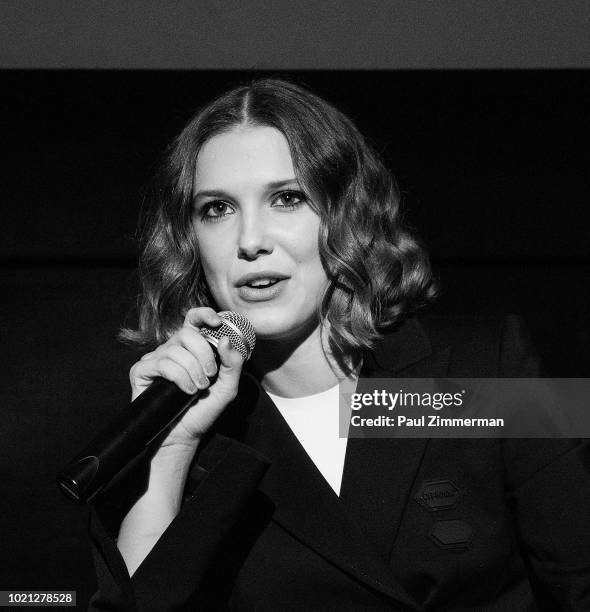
(187, 359)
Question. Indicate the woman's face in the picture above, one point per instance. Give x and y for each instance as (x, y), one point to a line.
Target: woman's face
(257, 234)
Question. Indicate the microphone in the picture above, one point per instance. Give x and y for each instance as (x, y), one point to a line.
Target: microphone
(136, 426)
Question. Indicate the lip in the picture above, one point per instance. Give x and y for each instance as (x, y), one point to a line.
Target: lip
(263, 274)
(249, 294)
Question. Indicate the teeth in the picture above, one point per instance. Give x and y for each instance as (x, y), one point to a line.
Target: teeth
(262, 283)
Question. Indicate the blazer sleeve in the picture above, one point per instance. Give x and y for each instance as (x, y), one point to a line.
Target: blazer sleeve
(221, 482)
(548, 483)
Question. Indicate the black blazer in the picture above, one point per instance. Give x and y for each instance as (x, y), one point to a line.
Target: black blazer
(261, 529)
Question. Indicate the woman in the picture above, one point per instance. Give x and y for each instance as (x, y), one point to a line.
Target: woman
(271, 204)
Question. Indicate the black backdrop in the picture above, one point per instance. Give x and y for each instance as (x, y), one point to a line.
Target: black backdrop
(494, 170)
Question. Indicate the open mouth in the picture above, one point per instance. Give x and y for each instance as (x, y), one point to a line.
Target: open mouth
(263, 279)
(262, 283)
(261, 286)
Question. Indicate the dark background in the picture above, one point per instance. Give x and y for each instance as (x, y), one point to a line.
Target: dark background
(494, 170)
(493, 165)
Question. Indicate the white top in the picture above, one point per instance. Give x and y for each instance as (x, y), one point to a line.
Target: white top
(314, 420)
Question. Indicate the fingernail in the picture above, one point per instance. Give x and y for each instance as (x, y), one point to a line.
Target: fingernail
(203, 382)
(210, 368)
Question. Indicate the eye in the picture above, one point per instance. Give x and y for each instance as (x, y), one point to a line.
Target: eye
(289, 199)
(215, 211)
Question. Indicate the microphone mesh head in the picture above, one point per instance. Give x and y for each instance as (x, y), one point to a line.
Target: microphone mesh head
(237, 328)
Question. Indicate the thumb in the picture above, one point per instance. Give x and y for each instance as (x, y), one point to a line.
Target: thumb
(230, 367)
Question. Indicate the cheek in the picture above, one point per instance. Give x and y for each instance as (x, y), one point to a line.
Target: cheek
(214, 264)
(308, 258)
(303, 238)
(308, 247)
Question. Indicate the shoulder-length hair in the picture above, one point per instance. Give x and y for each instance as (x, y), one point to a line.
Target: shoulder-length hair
(378, 271)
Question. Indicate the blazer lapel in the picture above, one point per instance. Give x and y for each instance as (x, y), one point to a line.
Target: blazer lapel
(307, 507)
(354, 532)
(379, 474)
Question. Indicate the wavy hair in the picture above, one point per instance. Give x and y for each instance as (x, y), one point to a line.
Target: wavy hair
(377, 269)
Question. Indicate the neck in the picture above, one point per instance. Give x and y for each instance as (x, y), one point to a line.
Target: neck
(296, 368)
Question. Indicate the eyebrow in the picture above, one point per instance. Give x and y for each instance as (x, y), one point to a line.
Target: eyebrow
(218, 193)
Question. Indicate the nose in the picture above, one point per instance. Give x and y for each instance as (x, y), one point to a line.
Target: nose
(254, 239)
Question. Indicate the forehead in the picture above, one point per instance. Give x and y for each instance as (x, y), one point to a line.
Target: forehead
(246, 153)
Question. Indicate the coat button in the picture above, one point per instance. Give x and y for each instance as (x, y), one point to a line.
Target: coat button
(453, 535)
(437, 495)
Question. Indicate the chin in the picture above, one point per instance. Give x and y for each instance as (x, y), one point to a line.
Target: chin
(268, 326)
(278, 325)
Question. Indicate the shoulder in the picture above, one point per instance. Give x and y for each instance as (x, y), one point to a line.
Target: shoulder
(473, 346)
(503, 331)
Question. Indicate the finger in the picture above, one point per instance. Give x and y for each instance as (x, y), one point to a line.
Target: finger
(230, 367)
(190, 363)
(194, 342)
(171, 370)
(147, 371)
(196, 317)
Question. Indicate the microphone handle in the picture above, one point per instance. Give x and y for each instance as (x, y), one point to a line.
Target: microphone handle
(123, 439)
